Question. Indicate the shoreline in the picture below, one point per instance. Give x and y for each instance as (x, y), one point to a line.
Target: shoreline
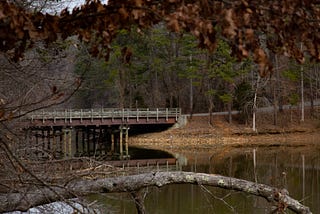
(197, 135)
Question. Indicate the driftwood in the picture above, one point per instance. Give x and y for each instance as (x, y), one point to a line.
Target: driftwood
(24, 200)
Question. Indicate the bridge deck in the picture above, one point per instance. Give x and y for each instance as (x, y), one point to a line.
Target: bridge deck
(103, 116)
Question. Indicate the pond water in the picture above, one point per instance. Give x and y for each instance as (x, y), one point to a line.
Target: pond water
(296, 169)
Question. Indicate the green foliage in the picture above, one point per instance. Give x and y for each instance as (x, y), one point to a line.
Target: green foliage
(226, 98)
(224, 73)
(292, 74)
(95, 88)
(211, 92)
(160, 72)
(223, 63)
(294, 98)
(243, 96)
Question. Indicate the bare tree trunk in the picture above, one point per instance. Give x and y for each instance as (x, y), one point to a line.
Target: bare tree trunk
(191, 98)
(191, 93)
(229, 112)
(302, 96)
(254, 128)
(211, 106)
(41, 195)
(311, 98)
(275, 97)
(302, 92)
(275, 106)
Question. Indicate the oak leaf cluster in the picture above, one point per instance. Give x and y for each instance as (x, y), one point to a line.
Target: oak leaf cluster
(251, 27)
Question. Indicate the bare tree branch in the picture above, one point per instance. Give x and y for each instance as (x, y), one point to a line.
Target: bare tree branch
(34, 197)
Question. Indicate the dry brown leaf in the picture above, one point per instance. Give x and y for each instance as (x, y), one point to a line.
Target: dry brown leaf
(260, 57)
(245, 3)
(126, 53)
(230, 29)
(286, 19)
(246, 18)
(136, 13)
(249, 34)
(124, 14)
(243, 51)
(2, 113)
(138, 3)
(173, 25)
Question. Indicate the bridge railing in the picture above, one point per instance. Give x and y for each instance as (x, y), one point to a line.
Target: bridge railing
(105, 113)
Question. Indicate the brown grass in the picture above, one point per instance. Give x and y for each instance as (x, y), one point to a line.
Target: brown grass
(199, 135)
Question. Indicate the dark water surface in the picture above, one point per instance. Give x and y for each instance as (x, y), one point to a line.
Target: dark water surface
(296, 169)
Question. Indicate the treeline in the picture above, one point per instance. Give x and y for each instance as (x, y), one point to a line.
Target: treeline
(157, 68)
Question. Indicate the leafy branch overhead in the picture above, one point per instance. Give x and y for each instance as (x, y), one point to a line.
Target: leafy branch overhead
(289, 27)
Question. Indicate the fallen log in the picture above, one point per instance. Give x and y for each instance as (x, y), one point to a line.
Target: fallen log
(24, 200)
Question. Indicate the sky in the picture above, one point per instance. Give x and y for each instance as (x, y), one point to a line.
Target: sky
(73, 3)
(70, 4)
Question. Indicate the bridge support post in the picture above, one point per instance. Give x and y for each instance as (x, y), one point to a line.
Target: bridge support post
(61, 137)
(121, 143)
(83, 141)
(88, 140)
(43, 143)
(124, 131)
(127, 142)
(67, 140)
(94, 141)
(49, 146)
(54, 139)
(101, 146)
(28, 142)
(77, 141)
(69, 143)
(112, 143)
(64, 143)
(37, 144)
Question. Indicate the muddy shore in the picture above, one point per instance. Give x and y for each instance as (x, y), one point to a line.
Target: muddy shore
(223, 138)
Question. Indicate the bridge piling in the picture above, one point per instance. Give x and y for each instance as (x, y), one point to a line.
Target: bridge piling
(42, 143)
(64, 143)
(112, 143)
(54, 142)
(121, 143)
(48, 136)
(88, 140)
(83, 141)
(77, 141)
(127, 142)
(124, 142)
(69, 143)
(60, 153)
(94, 141)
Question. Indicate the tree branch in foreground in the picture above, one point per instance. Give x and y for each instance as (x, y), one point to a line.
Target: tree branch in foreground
(39, 196)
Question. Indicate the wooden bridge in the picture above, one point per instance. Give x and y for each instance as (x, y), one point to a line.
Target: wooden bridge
(103, 116)
(89, 132)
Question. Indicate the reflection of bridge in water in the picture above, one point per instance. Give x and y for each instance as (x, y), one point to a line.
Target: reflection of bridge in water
(95, 132)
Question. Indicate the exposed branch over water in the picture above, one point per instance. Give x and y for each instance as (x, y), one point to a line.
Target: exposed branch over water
(39, 196)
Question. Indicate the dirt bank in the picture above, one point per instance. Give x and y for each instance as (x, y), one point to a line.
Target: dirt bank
(199, 135)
